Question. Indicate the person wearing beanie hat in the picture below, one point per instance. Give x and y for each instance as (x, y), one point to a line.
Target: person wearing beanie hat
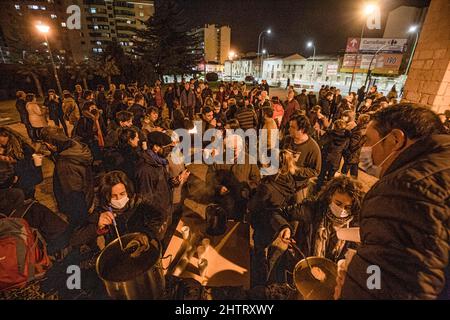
(152, 176)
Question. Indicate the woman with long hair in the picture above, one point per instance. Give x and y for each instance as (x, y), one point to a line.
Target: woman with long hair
(275, 191)
(16, 151)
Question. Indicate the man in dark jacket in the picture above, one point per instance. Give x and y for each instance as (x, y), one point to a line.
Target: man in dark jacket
(73, 184)
(335, 141)
(405, 216)
(21, 108)
(357, 140)
(247, 117)
(302, 100)
(187, 100)
(325, 104)
(138, 110)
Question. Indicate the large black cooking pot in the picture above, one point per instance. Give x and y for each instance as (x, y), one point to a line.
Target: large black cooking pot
(128, 277)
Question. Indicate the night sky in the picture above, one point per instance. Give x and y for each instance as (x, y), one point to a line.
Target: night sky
(293, 23)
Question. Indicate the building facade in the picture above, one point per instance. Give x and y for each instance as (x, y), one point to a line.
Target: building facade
(216, 41)
(102, 21)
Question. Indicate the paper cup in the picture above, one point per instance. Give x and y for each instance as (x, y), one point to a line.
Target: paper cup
(37, 158)
(201, 252)
(202, 265)
(185, 232)
(144, 145)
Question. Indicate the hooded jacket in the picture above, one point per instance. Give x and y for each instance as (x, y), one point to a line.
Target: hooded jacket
(73, 175)
(405, 223)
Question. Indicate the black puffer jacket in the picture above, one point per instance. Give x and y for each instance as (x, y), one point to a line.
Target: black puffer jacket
(334, 143)
(405, 223)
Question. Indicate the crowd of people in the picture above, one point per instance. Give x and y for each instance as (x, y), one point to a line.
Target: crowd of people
(113, 163)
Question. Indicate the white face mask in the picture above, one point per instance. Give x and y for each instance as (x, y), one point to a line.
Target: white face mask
(119, 204)
(338, 211)
(366, 160)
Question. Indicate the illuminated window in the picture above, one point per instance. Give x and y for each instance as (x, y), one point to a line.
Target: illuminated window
(93, 10)
(33, 7)
(99, 43)
(141, 14)
(43, 8)
(128, 21)
(17, 7)
(63, 24)
(53, 16)
(95, 27)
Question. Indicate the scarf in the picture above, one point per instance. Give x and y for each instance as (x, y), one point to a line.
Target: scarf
(158, 159)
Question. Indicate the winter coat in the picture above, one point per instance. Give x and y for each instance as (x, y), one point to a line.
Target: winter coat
(278, 112)
(53, 108)
(312, 99)
(122, 158)
(334, 144)
(405, 227)
(36, 115)
(302, 100)
(73, 184)
(70, 110)
(187, 99)
(357, 139)
(325, 107)
(291, 107)
(169, 97)
(152, 178)
(22, 109)
(141, 214)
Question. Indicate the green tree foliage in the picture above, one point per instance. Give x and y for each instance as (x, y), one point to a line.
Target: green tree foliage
(166, 46)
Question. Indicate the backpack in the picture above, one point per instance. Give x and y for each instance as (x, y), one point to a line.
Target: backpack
(23, 253)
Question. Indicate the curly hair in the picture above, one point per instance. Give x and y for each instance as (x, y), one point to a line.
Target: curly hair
(342, 184)
(14, 147)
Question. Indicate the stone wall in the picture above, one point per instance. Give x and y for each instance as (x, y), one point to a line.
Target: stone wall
(429, 76)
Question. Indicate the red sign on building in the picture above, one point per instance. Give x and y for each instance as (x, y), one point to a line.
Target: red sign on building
(352, 45)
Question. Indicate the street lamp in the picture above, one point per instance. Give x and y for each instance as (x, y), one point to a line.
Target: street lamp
(369, 72)
(44, 29)
(268, 31)
(412, 29)
(309, 45)
(368, 10)
(231, 55)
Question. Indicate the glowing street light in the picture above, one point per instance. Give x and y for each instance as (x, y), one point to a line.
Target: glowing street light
(369, 9)
(310, 44)
(412, 29)
(44, 29)
(268, 31)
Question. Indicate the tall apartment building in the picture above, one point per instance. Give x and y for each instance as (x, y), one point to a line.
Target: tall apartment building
(216, 42)
(102, 21)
